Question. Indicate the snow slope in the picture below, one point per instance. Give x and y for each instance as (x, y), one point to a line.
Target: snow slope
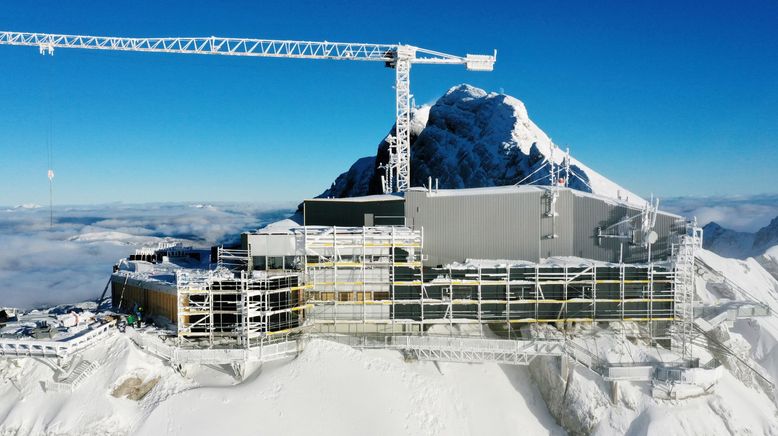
(769, 261)
(470, 138)
(27, 409)
(334, 389)
(760, 335)
(330, 389)
(585, 406)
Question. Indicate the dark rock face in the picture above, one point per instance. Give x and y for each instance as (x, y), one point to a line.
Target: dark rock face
(766, 237)
(726, 242)
(467, 139)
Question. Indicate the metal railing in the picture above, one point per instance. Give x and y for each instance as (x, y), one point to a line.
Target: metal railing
(54, 348)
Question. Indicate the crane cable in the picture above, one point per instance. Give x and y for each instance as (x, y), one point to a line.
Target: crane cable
(50, 142)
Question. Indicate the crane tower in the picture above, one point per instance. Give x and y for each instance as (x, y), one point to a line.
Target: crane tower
(397, 56)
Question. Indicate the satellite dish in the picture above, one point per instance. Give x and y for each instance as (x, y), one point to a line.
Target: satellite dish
(651, 237)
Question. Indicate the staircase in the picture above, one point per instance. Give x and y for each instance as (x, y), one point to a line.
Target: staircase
(80, 372)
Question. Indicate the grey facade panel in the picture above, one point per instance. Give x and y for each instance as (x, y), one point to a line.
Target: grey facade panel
(493, 226)
(517, 225)
(557, 225)
(591, 214)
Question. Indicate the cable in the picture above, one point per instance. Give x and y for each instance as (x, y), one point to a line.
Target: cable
(50, 142)
(538, 180)
(581, 179)
(545, 162)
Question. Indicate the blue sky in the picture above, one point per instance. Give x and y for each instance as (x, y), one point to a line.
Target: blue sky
(673, 98)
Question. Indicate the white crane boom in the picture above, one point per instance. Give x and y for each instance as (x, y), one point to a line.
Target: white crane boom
(400, 57)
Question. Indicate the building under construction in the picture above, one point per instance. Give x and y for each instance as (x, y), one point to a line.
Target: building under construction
(499, 257)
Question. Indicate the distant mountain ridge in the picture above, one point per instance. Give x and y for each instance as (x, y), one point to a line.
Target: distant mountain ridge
(468, 139)
(730, 243)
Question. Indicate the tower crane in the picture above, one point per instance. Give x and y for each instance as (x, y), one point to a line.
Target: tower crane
(397, 56)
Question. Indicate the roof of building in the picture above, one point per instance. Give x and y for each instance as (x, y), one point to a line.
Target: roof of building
(279, 227)
(521, 189)
(362, 199)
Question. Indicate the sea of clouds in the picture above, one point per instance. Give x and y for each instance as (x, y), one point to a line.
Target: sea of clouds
(71, 260)
(747, 213)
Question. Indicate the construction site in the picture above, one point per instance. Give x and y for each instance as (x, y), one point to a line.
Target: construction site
(497, 274)
(385, 285)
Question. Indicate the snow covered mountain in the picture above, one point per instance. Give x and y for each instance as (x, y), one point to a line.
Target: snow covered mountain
(727, 242)
(470, 138)
(740, 245)
(766, 237)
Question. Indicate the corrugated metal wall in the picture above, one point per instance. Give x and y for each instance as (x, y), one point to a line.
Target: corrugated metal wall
(515, 225)
(591, 213)
(557, 231)
(491, 226)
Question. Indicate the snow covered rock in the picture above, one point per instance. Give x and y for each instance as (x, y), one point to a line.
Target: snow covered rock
(766, 237)
(726, 242)
(740, 245)
(468, 139)
(769, 261)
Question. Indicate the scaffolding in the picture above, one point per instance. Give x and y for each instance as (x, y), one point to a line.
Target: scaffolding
(372, 280)
(683, 265)
(233, 260)
(351, 273)
(221, 309)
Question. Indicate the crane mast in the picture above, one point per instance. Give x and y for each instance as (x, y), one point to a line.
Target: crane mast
(397, 56)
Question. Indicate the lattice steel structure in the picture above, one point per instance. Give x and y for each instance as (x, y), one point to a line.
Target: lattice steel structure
(683, 264)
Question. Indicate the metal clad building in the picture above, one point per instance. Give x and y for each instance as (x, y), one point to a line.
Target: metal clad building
(474, 225)
(520, 223)
(358, 211)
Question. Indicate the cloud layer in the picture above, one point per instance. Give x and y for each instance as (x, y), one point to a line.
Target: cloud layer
(71, 261)
(741, 213)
